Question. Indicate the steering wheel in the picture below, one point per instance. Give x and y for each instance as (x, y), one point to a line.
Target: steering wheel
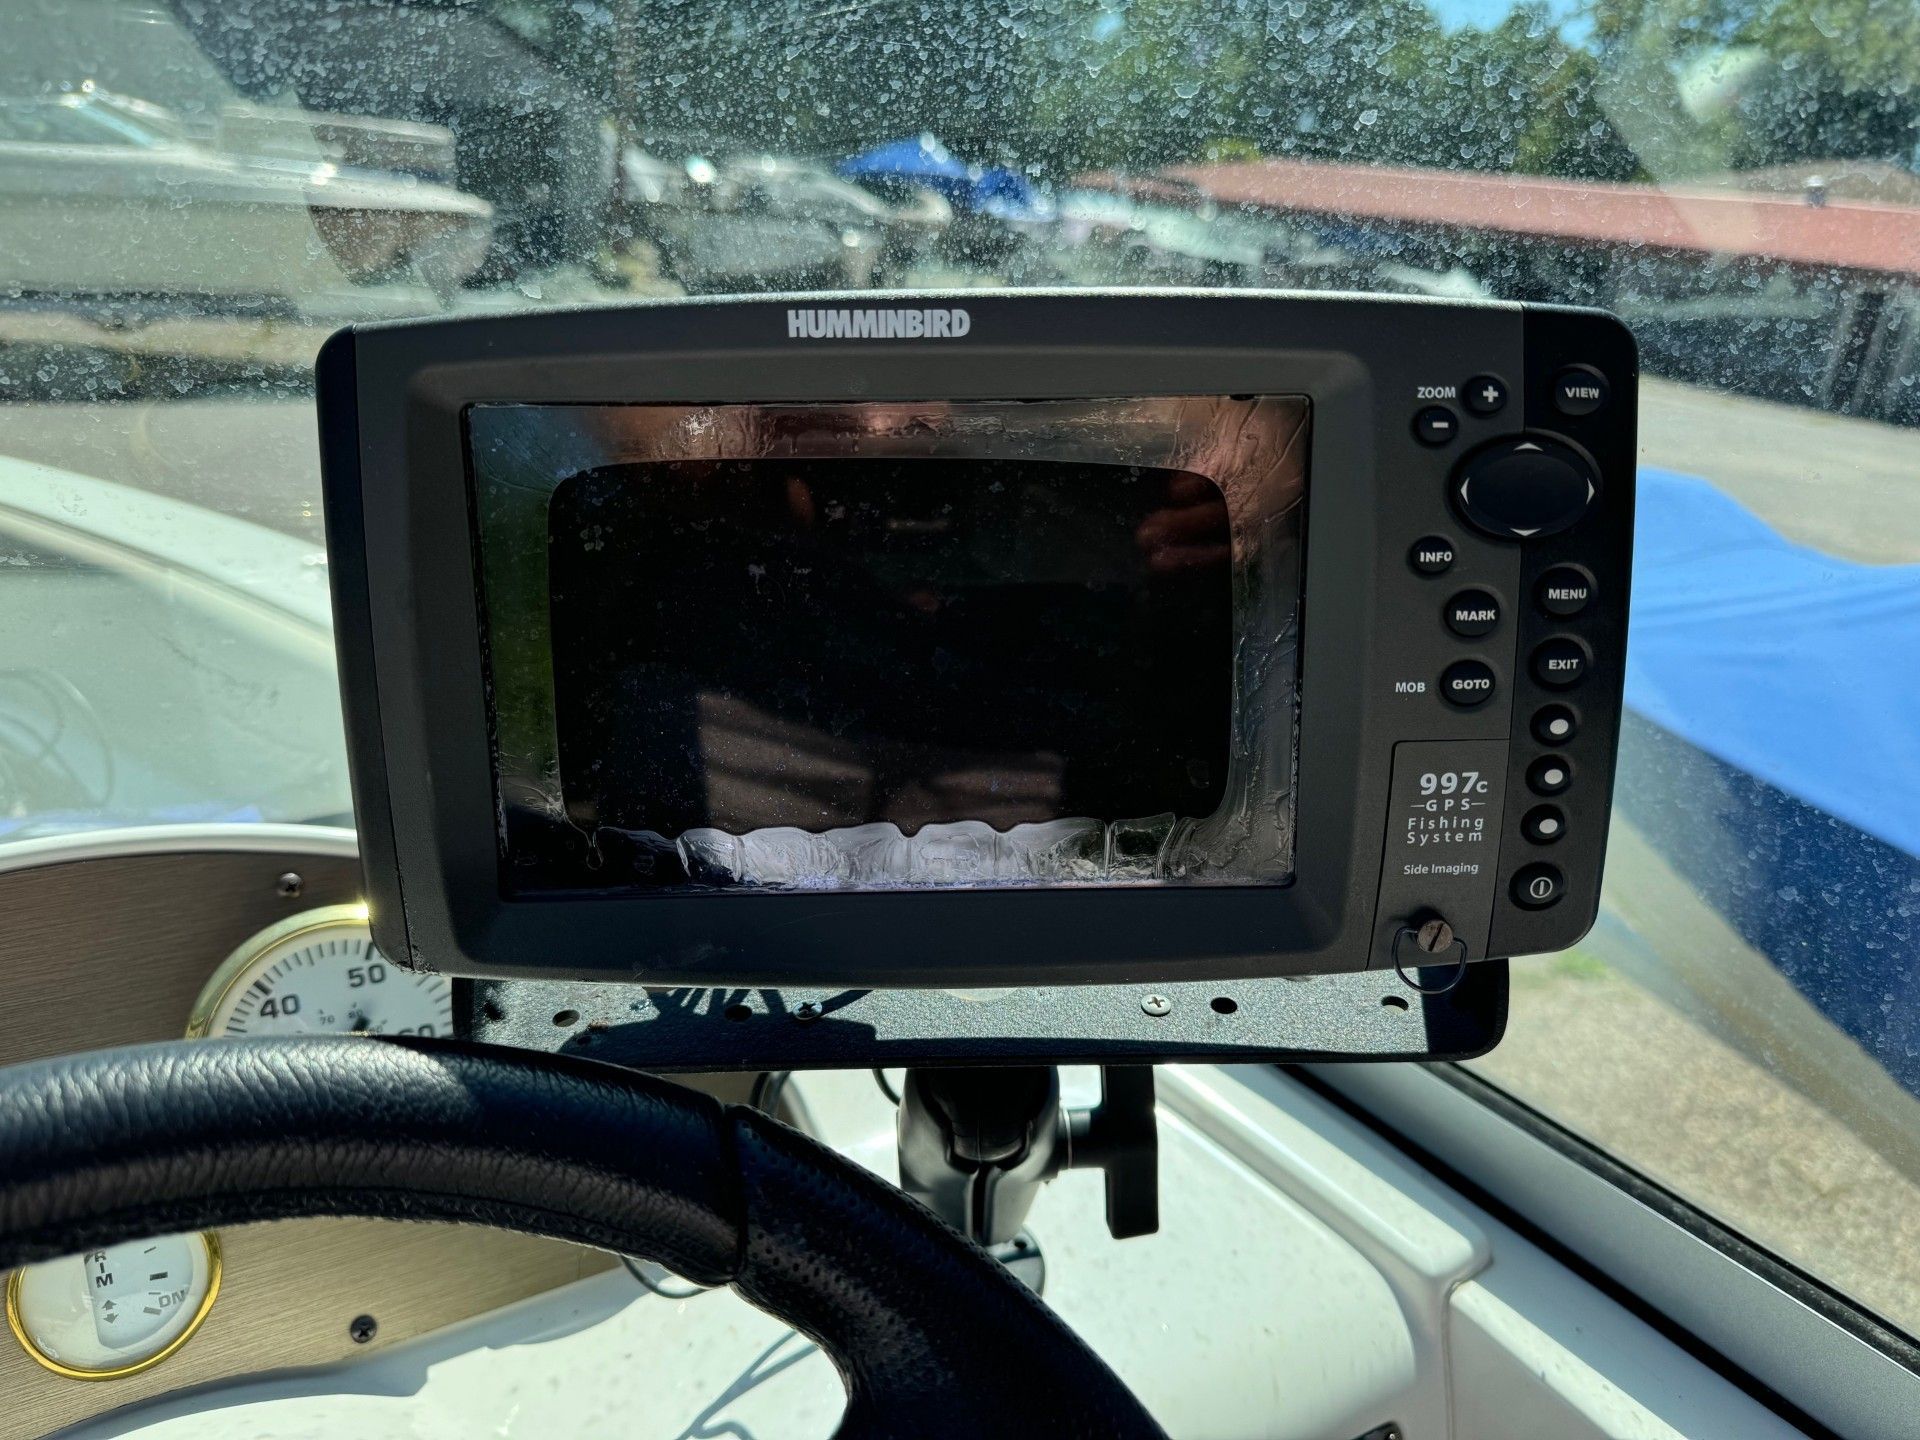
(930, 1335)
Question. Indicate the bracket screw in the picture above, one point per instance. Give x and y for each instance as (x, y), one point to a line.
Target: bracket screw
(807, 1010)
(1156, 1005)
(290, 885)
(363, 1328)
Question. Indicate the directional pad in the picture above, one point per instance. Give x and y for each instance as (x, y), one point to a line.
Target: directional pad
(1524, 487)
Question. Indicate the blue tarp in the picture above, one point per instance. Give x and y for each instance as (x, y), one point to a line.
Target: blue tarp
(1770, 751)
(924, 161)
(921, 161)
(1789, 664)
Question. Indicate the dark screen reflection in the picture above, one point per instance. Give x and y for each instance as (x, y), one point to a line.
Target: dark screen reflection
(822, 643)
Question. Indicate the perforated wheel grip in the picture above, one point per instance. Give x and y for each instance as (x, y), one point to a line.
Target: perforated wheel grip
(930, 1335)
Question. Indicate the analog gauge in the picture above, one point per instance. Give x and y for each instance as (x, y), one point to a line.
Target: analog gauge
(318, 973)
(116, 1311)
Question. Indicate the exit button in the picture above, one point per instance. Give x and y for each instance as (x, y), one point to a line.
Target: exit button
(1560, 662)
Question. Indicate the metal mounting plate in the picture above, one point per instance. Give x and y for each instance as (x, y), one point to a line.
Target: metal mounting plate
(1363, 1016)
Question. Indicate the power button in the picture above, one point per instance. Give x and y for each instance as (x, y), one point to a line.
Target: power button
(1537, 886)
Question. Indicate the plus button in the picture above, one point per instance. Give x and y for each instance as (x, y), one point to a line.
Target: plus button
(1485, 395)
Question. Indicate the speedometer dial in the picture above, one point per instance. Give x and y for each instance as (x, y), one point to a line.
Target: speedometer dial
(320, 974)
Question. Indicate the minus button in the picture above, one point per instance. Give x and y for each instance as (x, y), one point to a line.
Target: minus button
(1435, 426)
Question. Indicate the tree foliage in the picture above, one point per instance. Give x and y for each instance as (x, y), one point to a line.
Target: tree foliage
(1797, 79)
(1059, 86)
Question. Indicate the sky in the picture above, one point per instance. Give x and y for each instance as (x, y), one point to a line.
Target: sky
(1483, 13)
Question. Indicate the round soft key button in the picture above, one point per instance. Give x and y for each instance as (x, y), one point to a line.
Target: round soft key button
(1544, 824)
(1549, 775)
(1554, 724)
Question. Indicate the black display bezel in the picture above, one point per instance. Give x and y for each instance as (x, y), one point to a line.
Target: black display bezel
(402, 553)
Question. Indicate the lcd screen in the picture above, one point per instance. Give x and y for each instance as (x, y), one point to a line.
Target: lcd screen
(822, 643)
(883, 646)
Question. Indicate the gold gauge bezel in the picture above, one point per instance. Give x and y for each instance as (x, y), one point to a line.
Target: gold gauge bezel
(17, 1323)
(235, 968)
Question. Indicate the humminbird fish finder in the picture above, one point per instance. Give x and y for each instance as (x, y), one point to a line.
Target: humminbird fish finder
(981, 640)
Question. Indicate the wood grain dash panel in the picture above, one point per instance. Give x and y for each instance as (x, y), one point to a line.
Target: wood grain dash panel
(113, 951)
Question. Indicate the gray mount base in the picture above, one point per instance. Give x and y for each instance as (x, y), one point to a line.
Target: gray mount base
(1371, 1015)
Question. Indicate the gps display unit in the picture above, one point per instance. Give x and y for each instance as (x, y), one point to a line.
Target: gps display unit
(962, 639)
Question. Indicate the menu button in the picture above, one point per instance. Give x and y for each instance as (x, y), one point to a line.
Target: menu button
(1564, 591)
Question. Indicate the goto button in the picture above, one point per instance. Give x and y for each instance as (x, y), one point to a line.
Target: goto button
(1544, 824)
(1537, 886)
(1467, 683)
(1554, 724)
(1549, 775)
(1561, 662)
(1472, 613)
(1431, 556)
(1564, 591)
(1579, 390)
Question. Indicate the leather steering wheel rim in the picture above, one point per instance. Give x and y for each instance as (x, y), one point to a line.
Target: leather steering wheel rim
(930, 1335)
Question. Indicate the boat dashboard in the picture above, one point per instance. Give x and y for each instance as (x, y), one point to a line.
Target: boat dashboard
(211, 930)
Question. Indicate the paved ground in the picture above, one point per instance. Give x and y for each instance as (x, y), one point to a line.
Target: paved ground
(1849, 487)
(1607, 1059)
(1669, 1041)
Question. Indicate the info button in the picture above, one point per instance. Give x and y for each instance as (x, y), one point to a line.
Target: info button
(1467, 684)
(1431, 556)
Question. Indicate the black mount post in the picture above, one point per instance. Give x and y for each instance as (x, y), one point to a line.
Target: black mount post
(976, 1145)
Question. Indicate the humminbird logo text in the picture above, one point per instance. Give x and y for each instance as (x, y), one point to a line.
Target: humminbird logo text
(878, 324)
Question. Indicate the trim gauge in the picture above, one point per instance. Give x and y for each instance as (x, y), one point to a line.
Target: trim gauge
(319, 973)
(114, 1312)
